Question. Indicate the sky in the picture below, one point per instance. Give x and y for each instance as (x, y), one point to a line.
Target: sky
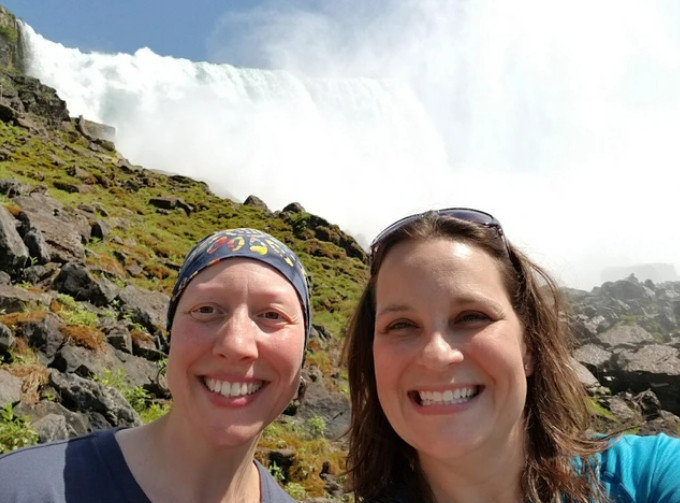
(561, 118)
(168, 27)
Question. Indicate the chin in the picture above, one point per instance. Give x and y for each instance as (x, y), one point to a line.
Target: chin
(234, 436)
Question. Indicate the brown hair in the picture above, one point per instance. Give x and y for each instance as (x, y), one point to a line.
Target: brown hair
(556, 416)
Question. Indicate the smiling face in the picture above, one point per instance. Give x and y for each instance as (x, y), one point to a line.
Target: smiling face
(237, 344)
(448, 350)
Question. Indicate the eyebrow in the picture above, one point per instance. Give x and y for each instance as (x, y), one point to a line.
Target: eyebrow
(464, 300)
(392, 308)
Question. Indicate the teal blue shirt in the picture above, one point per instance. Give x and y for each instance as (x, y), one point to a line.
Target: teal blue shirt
(639, 469)
(634, 469)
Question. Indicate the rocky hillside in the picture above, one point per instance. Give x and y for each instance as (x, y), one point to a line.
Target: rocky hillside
(628, 339)
(89, 248)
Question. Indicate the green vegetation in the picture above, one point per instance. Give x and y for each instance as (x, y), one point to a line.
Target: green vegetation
(153, 410)
(599, 411)
(73, 312)
(140, 400)
(9, 33)
(311, 451)
(630, 319)
(15, 431)
(277, 472)
(317, 426)
(156, 242)
(295, 490)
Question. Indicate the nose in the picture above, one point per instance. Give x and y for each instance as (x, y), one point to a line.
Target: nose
(236, 337)
(439, 350)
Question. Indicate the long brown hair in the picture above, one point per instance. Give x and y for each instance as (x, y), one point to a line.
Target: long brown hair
(556, 416)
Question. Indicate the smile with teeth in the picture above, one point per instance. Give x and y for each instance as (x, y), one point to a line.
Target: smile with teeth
(232, 389)
(448, 397)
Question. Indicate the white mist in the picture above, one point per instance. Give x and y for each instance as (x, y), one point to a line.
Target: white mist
(559, 117)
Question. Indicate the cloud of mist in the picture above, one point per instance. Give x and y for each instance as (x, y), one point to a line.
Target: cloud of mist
(559, 118)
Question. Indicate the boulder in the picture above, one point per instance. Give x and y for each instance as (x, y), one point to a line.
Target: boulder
(97, 401)
(14, 254)
(10, 388)
(75, 280)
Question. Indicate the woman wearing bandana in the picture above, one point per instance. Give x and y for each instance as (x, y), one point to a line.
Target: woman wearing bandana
(238, 321)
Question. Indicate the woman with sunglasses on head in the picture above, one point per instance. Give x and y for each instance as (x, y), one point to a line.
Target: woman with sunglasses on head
(239, 319)
(461, 384)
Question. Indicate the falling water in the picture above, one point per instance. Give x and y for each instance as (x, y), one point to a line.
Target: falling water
(561, 118)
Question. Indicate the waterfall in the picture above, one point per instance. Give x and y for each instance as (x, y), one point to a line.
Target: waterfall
(559, 117)
(247, 131)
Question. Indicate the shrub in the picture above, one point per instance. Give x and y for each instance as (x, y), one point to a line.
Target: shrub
(317, 426)
(9, 33)
(153, 411)
(138, 398)
(33, 376)
(72, 312)
(15, 431)
(295, 490)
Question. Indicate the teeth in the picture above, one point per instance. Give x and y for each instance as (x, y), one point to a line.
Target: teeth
(232, 389)
(448, 397)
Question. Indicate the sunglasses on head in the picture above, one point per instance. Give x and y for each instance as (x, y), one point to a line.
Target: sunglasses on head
(473, 216)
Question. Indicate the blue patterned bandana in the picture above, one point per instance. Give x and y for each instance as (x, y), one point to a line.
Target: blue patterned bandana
(246, 243)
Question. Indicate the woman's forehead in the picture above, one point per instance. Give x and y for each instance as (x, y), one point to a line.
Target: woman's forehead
(256, 273)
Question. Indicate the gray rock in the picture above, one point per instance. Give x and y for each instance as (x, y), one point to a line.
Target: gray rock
(7, 339)
(10, 388)
(86, 396)
(625, 334)
(593, 357)
(44, 335)
(255, 202)
(52, 427)
(147, 308)
(62, 232)
(76, 423)
(119, 337)
(37, 246)
(584, 375)
(13, 252)
(653, 366)
(79, 360)
(15, 300)
(75, 280)
(623, 411)
(332, 406)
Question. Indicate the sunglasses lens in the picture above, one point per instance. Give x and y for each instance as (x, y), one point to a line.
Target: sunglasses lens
(467, 214)
(474, 216)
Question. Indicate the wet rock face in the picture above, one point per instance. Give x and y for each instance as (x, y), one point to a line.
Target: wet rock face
(10, 41)
(20, 94)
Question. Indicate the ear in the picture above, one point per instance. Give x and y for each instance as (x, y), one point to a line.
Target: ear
(528, 364)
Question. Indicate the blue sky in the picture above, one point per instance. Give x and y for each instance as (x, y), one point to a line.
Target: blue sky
(168, 27)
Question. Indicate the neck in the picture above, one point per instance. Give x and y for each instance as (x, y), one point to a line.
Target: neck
(480, 476)
(192, 470)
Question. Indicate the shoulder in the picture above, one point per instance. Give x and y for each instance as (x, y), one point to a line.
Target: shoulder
(638, 448)
(48, 455)
(38, 473)
(645, 468)
(270, 490)
(43, 453)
